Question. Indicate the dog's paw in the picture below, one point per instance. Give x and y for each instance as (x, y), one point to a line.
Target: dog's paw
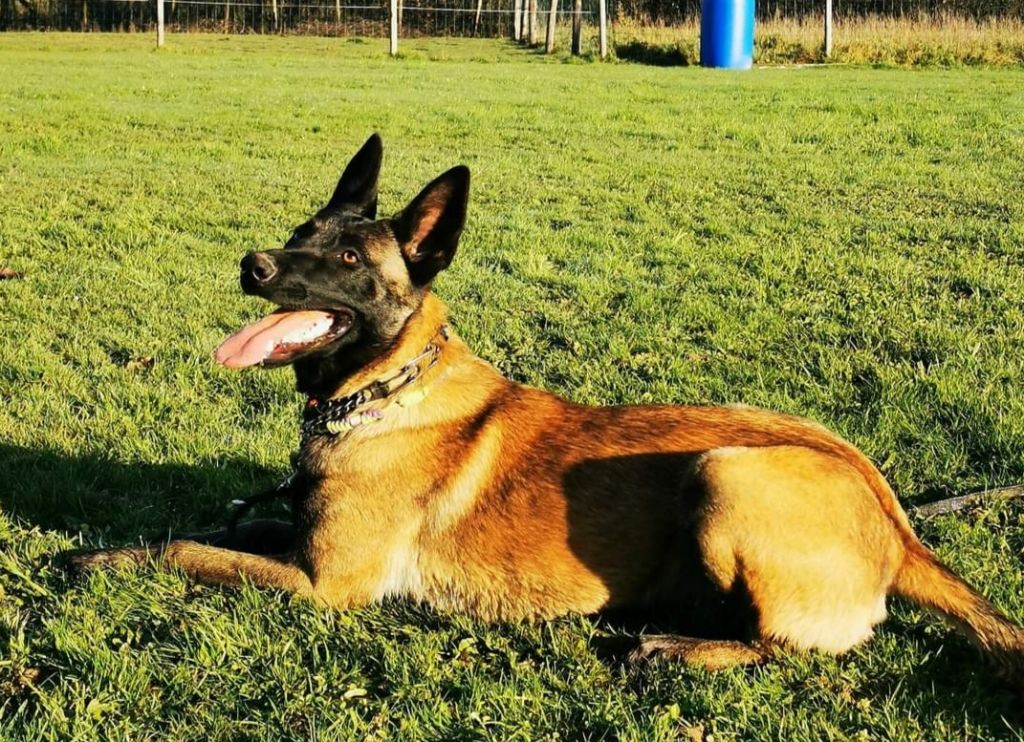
(81, 562)
(653, 649)
(710, 654)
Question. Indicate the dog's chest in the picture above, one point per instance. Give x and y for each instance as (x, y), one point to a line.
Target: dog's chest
(365, 526)
(400, 573)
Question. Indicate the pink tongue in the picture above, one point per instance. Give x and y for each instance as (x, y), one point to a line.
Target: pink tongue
(255, 343)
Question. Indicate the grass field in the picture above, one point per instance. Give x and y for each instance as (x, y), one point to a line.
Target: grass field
(843, 243)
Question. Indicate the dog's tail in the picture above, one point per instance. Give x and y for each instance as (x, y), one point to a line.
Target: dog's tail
(928, 582)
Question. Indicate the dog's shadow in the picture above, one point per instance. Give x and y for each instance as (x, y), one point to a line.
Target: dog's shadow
(113, 501)
(117, 502)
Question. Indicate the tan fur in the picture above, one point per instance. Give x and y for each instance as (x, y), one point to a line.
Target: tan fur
(507, 502)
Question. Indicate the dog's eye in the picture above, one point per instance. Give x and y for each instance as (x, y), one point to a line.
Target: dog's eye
(350, 257)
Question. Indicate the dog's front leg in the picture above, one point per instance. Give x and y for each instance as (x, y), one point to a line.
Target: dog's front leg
(263, 536)
(204, 563)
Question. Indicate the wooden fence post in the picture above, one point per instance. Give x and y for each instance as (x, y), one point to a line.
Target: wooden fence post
(394, 27)
(602, 28)
(159, 23)
(273, 11)
(577, 27)
(337, 12)
(532, 27)
(517, 20)
(828, 28)
(549, 37)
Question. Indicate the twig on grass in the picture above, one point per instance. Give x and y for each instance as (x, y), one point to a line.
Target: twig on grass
(956, 504)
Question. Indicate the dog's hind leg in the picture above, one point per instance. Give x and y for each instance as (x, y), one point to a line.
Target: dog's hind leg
(803, 533)
(711, 654)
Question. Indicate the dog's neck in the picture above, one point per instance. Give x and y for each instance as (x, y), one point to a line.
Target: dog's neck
(419, 331)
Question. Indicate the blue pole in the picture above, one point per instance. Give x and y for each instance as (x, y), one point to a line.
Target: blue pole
(727, 34)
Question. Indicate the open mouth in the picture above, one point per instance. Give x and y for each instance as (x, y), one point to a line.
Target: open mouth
(283, 336)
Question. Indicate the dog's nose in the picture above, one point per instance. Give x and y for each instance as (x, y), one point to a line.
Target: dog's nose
(259, 266)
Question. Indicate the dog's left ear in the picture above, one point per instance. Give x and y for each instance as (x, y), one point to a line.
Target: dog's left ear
(357, 189)
(428, 229)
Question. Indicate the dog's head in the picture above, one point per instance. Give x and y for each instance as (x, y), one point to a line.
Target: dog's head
(347, 283)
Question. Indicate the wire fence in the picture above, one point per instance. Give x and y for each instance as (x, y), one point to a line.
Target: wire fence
(429, 17)
(489, 18)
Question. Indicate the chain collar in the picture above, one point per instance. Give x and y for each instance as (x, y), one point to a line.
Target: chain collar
(329, 417)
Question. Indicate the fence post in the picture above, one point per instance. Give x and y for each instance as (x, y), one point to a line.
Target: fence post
(828, 28)
(549, 36)
(602, 28)
(532, 25)
(273, 11)
(577, 27)
(517, 20)
(159, 23)
(394, 27)
(337, 12)
(476, 22)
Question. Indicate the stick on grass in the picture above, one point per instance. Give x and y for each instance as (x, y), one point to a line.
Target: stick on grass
(955, 504)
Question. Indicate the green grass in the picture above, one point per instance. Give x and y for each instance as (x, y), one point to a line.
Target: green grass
(843, 243)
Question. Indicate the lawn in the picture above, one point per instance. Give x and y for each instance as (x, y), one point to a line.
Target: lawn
(843, 243)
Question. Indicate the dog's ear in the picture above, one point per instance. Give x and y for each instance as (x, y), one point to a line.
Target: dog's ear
(357, 189)
(428, 229)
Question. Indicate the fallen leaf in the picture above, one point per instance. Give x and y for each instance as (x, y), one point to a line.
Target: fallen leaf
(8, 273)
(97, 709)
(694, 733)
(142, 363)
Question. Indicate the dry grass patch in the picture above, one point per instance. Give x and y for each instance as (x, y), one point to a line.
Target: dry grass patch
(925, 40)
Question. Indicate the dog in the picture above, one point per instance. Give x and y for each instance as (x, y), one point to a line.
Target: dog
(423, 474)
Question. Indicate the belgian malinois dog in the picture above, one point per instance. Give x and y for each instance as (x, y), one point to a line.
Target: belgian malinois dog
(424, 474)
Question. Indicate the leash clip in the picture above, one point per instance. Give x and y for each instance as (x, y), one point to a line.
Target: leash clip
(244, 505)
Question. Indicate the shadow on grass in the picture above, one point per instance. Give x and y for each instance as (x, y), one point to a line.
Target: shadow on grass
(948, 669)
(112, 500)
(657, 55)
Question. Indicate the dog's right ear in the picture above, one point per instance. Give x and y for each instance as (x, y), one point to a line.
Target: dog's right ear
(357, 189)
